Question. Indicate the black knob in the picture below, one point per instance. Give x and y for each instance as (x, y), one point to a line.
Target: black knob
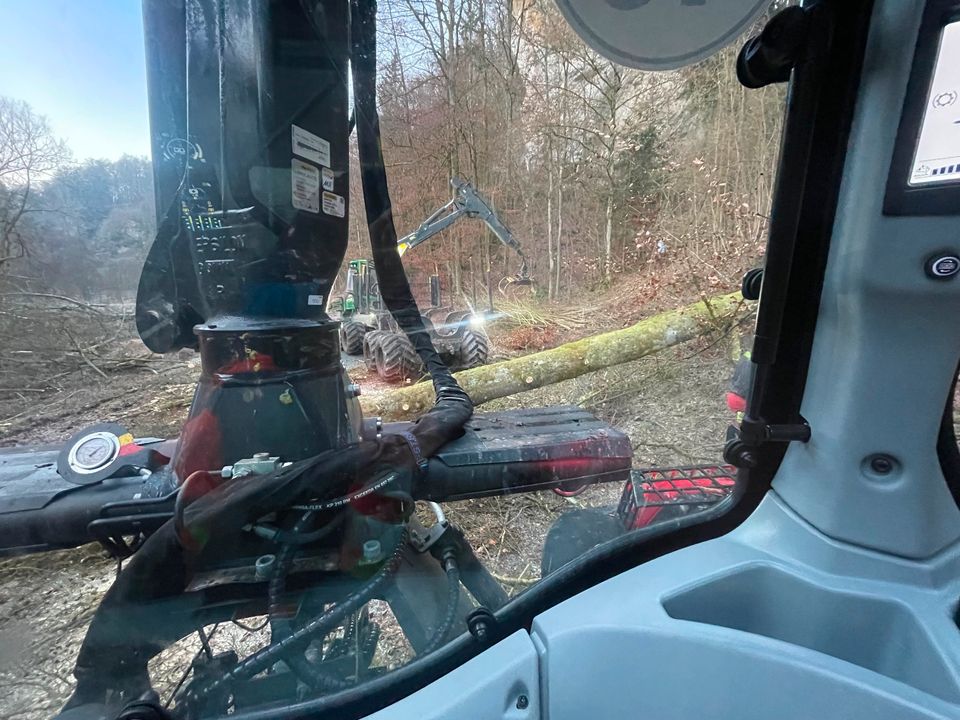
(752, 281)
(942, 265)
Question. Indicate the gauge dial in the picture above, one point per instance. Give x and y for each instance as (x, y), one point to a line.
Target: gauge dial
(93, 452)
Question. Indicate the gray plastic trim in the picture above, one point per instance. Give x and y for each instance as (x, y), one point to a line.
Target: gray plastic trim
(485, 688)
(887, 342)
(614, 651)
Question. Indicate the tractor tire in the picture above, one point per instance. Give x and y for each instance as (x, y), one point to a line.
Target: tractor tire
(351, 337)
(397, 360)
(371, 348)
(474, 348)
(576, 532)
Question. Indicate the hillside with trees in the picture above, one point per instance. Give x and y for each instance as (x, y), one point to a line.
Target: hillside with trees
(602, 172)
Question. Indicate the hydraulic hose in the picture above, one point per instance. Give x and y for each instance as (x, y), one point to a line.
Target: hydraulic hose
(261, 660)
(453, 600)
(394, 286)
(280, 628)
(278, 582)
(289, 537)
(343, 501)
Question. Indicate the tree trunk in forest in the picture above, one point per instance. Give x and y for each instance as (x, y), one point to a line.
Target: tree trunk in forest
(487, 268)
(457, 266)
(559, 259)
(550, 272)
(567, 361)
(473, 281)
(608, 236)
(551, 290)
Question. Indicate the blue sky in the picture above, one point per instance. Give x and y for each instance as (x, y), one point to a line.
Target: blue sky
(80, 63)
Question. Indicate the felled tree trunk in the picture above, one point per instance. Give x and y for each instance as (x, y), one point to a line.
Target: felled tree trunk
(566, 361)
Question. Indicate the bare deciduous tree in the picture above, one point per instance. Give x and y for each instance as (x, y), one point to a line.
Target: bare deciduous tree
(29, 153)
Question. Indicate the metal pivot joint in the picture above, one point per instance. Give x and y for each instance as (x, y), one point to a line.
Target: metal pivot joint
(743, 442)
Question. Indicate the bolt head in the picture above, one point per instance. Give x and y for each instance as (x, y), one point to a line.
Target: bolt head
(881, 465)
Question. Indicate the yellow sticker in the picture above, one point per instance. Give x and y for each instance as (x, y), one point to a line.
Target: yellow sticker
(125, 439)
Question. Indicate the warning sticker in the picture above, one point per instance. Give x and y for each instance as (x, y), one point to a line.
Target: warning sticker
(310, 146)
(327, 175)
(333, 204)
(305, 186)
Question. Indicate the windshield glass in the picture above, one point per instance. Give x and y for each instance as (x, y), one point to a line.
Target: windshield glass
(213, 495)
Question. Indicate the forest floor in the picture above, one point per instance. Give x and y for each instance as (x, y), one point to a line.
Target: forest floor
(670, 404)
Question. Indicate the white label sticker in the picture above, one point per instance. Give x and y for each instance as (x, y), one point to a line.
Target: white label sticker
(314, 299)
(333, 204)
(305, 186)
(310, 146)
(327, 175)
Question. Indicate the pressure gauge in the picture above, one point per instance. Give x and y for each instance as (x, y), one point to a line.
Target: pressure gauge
(93, 452)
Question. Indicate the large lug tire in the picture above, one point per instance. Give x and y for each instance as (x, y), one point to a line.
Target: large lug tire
(371, 349)
(575, 533)
(474, 348)
(397, 360)
(351, 337)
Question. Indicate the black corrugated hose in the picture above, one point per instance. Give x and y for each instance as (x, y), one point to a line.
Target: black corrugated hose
(394, 287)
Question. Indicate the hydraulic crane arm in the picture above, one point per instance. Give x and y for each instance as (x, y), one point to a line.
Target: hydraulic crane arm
(466, 202)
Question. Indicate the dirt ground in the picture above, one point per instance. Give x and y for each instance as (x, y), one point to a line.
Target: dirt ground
(671, 405)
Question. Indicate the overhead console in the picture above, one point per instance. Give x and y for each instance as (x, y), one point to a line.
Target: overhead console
(925, 173)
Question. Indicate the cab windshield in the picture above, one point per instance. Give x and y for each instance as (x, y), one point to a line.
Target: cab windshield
(240, 468)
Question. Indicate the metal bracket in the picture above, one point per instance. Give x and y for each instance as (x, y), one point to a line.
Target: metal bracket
(423, 538)
(743, 442)
(260, 464)
(758, 432)
(771, 56)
